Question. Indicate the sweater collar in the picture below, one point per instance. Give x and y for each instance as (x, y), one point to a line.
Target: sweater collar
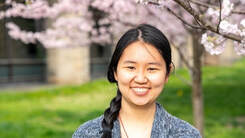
(158, 124)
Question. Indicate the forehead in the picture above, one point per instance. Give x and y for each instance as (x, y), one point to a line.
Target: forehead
(141, 52)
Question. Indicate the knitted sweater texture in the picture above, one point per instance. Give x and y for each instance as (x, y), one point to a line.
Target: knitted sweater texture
(164, 126)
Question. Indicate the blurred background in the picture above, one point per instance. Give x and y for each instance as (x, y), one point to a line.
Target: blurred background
(54, 57)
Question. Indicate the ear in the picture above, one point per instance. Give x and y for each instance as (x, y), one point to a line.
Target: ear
(115, 75)
(171, 70)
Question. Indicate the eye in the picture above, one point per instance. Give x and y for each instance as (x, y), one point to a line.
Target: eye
(152, 69)
(130, 67)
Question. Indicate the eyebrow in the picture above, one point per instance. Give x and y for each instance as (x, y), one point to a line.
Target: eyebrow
(129, 61)
(155, 63)
(150, 63)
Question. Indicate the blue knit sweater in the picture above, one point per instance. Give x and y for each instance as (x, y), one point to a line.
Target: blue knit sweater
(164, 126)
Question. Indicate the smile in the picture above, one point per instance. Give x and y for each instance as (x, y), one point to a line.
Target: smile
(140, 91)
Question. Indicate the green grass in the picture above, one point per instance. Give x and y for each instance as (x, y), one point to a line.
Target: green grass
(57, 112)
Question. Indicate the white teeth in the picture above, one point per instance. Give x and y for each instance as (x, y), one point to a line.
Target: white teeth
(140, 90)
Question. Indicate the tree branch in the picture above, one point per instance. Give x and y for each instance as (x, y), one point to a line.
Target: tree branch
(205, 23)
(237, 12)
(180, 18)
(189, 4)
(220, 12)
(200, 3)
(183, 58)
(213, 6)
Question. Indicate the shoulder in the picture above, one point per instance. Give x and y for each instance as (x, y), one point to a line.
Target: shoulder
(90, 128)
(175, 127)
(181, 129)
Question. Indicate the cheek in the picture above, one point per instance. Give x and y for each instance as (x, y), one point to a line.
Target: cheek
(157, 79)
(124, 77)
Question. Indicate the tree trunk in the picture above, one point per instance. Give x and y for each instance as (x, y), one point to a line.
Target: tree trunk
(196, 75)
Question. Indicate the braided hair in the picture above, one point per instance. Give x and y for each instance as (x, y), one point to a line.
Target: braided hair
(147, 34)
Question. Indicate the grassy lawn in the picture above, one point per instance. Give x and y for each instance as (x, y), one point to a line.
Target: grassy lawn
(57, 112)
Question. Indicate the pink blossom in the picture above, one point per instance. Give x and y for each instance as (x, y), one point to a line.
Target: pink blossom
(16, 33)
(72, 21)
(243, 23)
(227, 27)
(8, 2)
(213, 43)
(65, 30)
(227, 7)
(240, 47)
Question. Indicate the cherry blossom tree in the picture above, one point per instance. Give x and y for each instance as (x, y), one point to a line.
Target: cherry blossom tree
(70, 21)
(79, 18)
(211, 24)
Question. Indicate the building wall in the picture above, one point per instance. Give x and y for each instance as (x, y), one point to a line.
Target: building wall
(68, 65)
(18, 61)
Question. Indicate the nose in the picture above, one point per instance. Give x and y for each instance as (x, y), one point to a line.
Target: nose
(140, 77)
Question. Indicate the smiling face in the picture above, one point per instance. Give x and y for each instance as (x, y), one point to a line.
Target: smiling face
(141, 74)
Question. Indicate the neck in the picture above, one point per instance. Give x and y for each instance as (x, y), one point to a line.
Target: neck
(137, 114)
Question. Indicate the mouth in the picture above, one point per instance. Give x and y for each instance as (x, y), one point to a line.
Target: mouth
(140, 91)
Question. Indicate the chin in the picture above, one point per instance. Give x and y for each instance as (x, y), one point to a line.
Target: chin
(141, 102)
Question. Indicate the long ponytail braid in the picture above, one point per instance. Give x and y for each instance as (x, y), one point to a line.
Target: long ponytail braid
(110, 115)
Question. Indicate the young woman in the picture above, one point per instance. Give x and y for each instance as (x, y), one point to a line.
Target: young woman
(140, 66)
